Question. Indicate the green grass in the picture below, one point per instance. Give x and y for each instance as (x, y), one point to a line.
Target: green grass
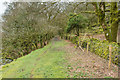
(47, 62)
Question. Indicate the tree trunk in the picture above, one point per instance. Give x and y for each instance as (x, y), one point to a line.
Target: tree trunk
(101, 19)
(114, 21)
(110, 34)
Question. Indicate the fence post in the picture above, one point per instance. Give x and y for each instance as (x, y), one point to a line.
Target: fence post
(82, 42)
(87, 47)
(110, 52)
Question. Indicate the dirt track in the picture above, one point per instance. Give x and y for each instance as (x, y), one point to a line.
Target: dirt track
(89, 63)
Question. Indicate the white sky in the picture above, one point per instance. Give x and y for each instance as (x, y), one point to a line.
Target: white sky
(2, 8)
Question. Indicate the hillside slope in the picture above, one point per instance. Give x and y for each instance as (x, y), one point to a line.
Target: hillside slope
(59, 59)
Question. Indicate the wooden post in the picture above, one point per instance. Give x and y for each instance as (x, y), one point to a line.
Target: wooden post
(110, 52)
(82, 42)
(87, 47)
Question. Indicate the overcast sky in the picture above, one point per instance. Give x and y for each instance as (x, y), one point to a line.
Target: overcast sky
(2, 6)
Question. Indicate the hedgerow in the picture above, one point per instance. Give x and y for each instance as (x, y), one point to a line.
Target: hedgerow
(98, 47)
(25, 45)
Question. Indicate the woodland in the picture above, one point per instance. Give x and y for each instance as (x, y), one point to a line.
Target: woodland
(33, 31)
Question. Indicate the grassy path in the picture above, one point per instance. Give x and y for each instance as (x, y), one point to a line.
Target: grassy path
(59, 59)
